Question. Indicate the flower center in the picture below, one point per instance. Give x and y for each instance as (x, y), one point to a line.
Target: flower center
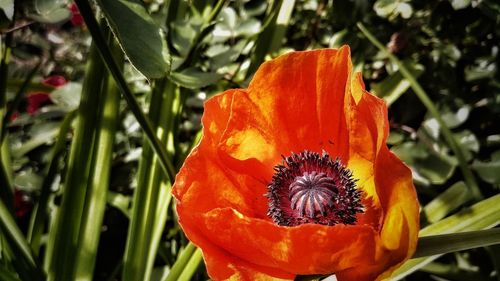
(313, 188)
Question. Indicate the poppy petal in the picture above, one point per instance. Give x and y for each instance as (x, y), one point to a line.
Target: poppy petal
(227, 189)
(287, 99)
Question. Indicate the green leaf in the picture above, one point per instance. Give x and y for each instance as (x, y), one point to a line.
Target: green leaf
(40, 134)
(446, 202)
(384, 8)
(395, 85)
(49, 11)
(28, 180)
(7, 8)
(139, 36)
(455, 119)
(460, 4)
(436, 168)
(119, 201)
(194, 78)
(67, 96)
(489, 171)
(16, 240)
(482, 215)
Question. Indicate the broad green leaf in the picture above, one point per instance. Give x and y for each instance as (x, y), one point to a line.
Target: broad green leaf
(455, 119)
(384, 8)
(67, 96)
(460, 4)
(492, 140)
(194, 78)
(489, 171)
(28, 180)
(49, 11)
(40, 134)
(391, 9)
(468, 140)
(119, 201)
(395, 85)
(7, 12)
(395, 138)
(437, 169)
(139, 36)
(482, 215)
(446, 202)
(248, 27)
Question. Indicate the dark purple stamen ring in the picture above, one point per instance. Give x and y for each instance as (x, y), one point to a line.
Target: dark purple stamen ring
(313, 188)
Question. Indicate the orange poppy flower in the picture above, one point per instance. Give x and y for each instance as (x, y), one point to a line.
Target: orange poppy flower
(293, 177)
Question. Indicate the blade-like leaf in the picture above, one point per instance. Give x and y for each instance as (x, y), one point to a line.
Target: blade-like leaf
(446, 202)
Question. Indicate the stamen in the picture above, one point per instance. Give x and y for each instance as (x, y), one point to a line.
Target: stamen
(313, 188)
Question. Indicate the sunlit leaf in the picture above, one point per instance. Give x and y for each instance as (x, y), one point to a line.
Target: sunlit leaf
(193, 78)
(139, 36)
(489, 171)
(6, 12)
(49, 11)
(67, 96)
(446, 202)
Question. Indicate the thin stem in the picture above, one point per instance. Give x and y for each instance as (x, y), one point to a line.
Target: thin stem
(426, 101)
(39, 215)
(6, 192)
(191, 266)
(447, 243)
(17, 99)
(181, 262)
(104, 51)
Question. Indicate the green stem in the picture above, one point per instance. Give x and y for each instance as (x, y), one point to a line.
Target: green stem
(447, 243)
(191, 266)
(6, 188)
(64, 239)
(153, 192)
(142, 119)
(426, 101)
(95, 202)
(39, 214)
(181, 262)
